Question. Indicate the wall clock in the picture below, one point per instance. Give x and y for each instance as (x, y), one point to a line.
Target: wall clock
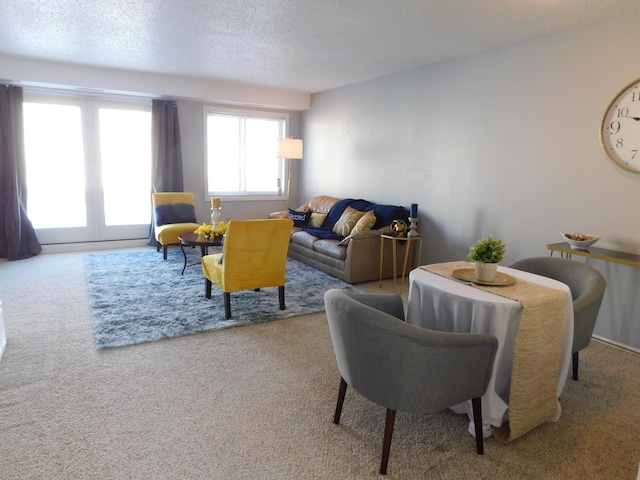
(620, 129)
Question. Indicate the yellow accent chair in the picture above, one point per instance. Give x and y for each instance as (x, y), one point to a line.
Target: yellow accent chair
(173, 214)
(254, 256)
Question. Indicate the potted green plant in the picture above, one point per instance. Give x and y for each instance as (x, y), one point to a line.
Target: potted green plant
(486, 254)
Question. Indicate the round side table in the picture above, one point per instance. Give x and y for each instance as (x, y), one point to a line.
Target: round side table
(191, 239)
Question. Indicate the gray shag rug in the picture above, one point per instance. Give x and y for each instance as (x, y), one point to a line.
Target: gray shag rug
(138, 297)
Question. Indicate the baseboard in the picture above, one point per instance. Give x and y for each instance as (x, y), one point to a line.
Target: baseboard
(91, 246)
(616, 344)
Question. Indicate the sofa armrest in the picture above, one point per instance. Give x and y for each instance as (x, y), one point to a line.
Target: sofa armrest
(363, 256)
(281, 214)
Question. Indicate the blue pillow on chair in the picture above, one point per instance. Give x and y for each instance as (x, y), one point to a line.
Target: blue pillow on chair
(174, 213)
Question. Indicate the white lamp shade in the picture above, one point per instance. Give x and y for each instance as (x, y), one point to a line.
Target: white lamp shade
(289, 148)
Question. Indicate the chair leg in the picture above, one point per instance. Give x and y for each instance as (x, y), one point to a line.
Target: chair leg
(341, 391)
(477, 421)
(281, 297)
(574, 364)
(227, 305)
(164, 251)
(157, 246)
(207, 288)
(386, 444)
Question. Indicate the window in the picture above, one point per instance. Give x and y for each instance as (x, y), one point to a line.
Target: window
(241, 153)
(88, 167)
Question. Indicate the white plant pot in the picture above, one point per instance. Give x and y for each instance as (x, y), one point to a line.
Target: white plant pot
(486, 272)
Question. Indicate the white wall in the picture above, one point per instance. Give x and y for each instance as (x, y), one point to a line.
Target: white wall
(31, 72)
(503, 143)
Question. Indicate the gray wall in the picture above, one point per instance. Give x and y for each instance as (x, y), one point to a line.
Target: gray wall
(503, 143)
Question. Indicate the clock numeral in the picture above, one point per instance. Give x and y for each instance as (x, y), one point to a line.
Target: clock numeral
(614, 127)
(623, 112)
(635, 96)
(633, 154)
(619, 143)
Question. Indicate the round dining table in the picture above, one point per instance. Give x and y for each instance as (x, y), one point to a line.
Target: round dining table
(440, 303)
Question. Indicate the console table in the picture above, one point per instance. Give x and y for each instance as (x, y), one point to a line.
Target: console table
(594, 252)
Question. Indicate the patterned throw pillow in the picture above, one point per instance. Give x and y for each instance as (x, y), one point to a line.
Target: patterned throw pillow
(300, 219)
(347, 221)
(365, 223)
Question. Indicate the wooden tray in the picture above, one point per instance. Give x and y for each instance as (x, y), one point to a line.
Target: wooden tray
(469, 275)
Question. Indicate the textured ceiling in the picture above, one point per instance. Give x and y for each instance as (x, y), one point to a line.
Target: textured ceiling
(303, 45)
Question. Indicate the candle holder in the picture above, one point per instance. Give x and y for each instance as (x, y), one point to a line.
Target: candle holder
(413, 227)
(216, 216)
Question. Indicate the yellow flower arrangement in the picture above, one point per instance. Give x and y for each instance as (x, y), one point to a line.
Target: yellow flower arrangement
(209, 230)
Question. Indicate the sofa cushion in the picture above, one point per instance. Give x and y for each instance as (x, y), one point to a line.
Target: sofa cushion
(300, 219)
(347, 221)
(331, 248)
(304, 239)
(320, 204)
(317, 219)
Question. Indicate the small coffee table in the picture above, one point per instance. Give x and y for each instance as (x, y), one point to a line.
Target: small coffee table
(191, 239)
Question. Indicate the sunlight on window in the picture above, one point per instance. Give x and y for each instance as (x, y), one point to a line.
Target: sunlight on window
(223, 137)
(125, 153)
(54, 166)
(241, 154)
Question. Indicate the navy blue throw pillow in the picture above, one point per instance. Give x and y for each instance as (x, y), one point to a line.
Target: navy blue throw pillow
(174, 213)
(300, 219)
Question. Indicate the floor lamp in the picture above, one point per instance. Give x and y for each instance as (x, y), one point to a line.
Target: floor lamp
(291, 149)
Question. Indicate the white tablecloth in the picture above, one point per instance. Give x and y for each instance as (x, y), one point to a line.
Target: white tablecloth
(438, 303)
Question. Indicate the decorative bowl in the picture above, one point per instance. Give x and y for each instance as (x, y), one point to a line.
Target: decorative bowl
(580, 241)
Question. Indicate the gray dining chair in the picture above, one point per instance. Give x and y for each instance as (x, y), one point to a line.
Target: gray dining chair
(403, 367)
(587, 287)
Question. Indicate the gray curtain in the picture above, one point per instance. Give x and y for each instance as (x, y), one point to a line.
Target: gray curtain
(18, 238)
(166, 152)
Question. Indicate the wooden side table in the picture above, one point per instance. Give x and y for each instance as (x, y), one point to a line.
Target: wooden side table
(394, 246)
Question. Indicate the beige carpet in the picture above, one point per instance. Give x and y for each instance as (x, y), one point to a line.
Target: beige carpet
(257, 402)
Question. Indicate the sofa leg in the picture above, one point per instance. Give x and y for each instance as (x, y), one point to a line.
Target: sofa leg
(281, 297)
(227, 305)
(157, 246)
(574, 364)
(207, 288)
(164, 251)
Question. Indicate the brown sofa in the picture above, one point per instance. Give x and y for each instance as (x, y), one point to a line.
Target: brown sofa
(353, 258)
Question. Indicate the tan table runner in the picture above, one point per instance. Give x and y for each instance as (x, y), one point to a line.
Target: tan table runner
(533, 397)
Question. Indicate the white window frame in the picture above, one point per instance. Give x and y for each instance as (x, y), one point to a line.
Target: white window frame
(281, 194)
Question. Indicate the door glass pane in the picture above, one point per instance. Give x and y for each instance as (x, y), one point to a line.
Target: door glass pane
(55, 171)
(125, 154)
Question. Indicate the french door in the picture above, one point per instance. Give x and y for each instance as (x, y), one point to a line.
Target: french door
(88, 168)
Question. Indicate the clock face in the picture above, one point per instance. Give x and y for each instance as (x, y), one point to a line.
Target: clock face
(620, 130)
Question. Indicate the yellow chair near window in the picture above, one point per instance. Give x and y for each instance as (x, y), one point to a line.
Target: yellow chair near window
(173, 214)
(254, 256)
